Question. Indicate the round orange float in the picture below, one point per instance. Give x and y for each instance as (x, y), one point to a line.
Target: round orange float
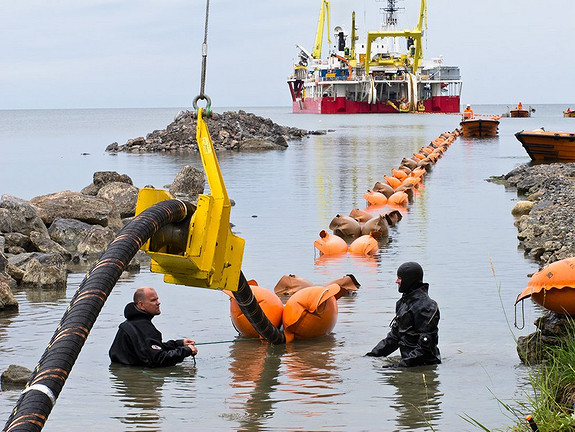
(399, 198)
(399, 174)
(364, 245)
(375, 198)
(311, 312)
(330, 244)
(270, 303)
(553, 287)
(392, 181)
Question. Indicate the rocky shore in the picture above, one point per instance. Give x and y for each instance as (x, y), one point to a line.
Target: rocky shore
(49, 236)
(240, 131)
(545, 221)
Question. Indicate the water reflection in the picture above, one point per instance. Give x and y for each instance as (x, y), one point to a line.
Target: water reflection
(255, 369)
(44, 296)
(417, 396)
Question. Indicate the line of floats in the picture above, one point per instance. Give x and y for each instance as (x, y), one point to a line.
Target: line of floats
(311, 310)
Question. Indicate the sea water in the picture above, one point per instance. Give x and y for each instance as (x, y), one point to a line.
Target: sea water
(459, 228)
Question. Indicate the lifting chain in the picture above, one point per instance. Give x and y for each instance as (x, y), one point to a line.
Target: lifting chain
(202, 95)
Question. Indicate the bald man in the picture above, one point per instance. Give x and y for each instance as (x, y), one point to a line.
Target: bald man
(139, 343)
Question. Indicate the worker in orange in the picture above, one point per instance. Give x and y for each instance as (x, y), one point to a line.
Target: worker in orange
(519, 106)
(468, 112)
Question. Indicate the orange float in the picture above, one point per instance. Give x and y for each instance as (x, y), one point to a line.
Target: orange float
(311, 312)
(419, 156)
(270, 303)
(365, 245)
(392, 181)
(411, 180)
(383, 188)
(375, 198)
(330, 244)
(399, 198)
(399, 174)
(553, 287)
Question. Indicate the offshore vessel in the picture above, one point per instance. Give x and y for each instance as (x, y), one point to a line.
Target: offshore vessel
(374, 75)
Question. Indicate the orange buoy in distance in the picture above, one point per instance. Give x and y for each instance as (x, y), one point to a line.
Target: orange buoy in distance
(270, 303)
(375, 198)
(330, 244)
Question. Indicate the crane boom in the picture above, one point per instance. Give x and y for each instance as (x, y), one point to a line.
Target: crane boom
(323, 15)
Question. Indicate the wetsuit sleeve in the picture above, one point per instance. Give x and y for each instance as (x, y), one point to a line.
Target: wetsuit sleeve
(168, 357)
(388, 345)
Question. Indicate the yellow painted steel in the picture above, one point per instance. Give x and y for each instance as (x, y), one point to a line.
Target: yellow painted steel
(323, 15)
(211, 256)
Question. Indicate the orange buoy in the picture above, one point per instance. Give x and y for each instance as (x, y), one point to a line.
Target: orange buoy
(345, 226)
(419, 156)
(365, 245)
(553, 287)
(330, 244)
(399, 198)
(270, 303)
(360, 215)
(418, 172)
(383, 188)
(411, 180)
(398, 174)
(290, 284)
(311, 312)
(392, 181)
(375, 198)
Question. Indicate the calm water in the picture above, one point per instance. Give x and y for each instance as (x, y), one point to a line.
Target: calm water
(460, 229)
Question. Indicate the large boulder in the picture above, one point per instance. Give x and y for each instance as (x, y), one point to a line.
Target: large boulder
(47, 245)
(7, 299)
(42, 271)
(68, 232)
(94, 243)
(18, 215)
(188, 183)
(123, 195)
(74, 205)
(102, 178)
(15, 377)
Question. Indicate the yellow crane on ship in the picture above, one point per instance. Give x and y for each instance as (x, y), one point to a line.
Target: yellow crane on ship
(323, 17)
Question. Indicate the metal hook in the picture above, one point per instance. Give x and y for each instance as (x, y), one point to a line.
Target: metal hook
(522, 316)
(208, 109)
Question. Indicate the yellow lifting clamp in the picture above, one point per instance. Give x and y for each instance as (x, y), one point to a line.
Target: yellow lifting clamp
(212, 255)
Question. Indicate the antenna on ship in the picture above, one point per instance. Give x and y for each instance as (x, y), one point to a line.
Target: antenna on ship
(390, 10)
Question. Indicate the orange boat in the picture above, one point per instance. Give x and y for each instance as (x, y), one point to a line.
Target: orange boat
(544, 146)
(480, 127)
(553, 287)
(568, 113)
(519, 113)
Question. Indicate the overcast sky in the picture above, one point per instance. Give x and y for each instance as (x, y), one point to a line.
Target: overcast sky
(147, 53)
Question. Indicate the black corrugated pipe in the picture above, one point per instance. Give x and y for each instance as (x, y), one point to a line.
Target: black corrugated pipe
(48, 378)
(253, 312)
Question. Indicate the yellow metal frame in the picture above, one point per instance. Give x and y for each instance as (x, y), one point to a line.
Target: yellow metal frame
(323, 16)
(213, 254)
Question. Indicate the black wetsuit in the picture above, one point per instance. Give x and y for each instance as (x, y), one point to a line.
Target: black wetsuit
(414, 330)
(139, 343)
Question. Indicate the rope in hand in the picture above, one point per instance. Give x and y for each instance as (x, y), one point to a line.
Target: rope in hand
(202, 95)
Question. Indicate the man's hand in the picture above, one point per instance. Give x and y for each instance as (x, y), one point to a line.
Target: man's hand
(190, 343)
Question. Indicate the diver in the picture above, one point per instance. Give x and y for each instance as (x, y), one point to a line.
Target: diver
(139, 343)
(414, 330)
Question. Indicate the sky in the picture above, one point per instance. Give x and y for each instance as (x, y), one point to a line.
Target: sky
(147, 53)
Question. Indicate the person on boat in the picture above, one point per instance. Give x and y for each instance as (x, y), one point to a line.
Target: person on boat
(467, 112)
(519, 106)
(139, 343)
(414, 330)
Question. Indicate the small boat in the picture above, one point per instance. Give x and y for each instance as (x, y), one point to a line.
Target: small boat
(479, 126)
(569, 113)
(548, 146)
(519, 111)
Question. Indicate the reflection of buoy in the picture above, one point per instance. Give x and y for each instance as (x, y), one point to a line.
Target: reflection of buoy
(365, 245)
(329, 244)
(270, 303)
(311, 312)
(553, 287)
(375, 198)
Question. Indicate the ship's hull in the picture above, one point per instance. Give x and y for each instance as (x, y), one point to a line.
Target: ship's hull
(542, 146)
(519, 113)
(341, 105)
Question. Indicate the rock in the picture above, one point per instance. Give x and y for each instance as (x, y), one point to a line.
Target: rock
(68, 233)
(95, 242)
(18, 215)
(74, 205)
(7, 299)
(124, 196)
(522, 208)
(47, 245)
(102, 178)
(188, 183)
(19, 240)
(41, 271)
(15, 377)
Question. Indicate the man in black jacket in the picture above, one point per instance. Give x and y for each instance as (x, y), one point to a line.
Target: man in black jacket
(414, 330)
(139, 343)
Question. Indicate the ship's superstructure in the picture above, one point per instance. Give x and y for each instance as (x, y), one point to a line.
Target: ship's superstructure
(373, 75)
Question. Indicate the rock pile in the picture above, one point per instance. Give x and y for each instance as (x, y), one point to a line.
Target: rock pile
(43, 239)
(229, 131)
(546, 227)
